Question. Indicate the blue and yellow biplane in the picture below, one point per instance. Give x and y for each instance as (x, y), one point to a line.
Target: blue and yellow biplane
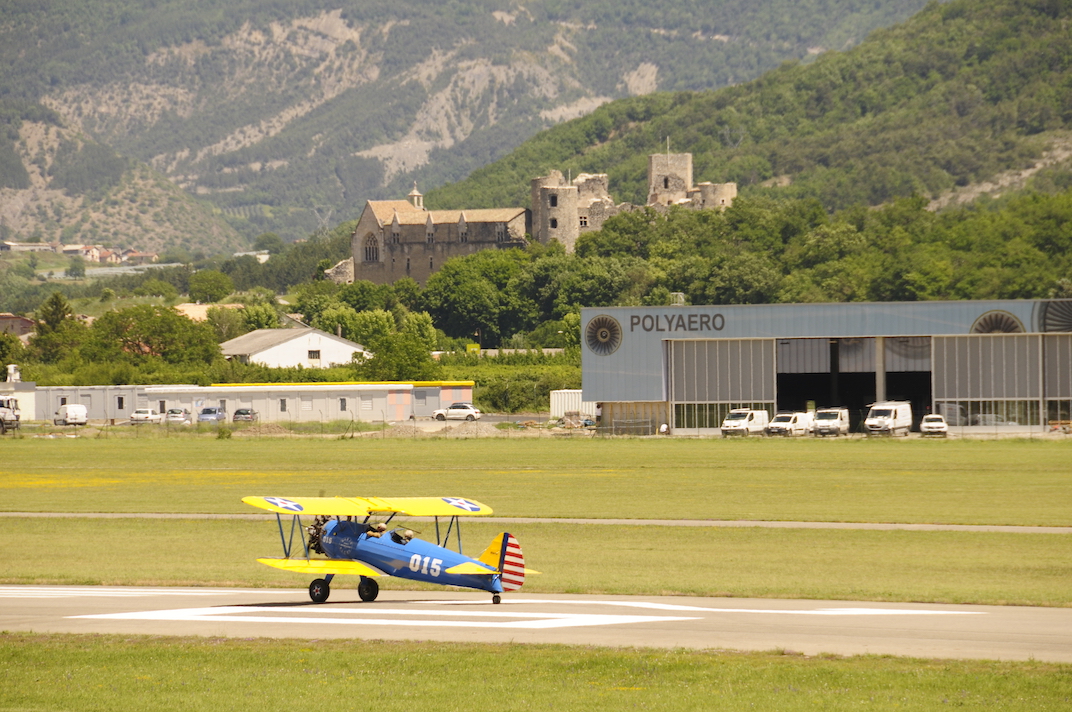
(344, 532)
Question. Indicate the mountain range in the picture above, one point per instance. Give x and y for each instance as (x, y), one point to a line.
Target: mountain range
(195, 125)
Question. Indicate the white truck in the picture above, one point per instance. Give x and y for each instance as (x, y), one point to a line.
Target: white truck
(831, 421)
(889, 418)
(745, 422)
(9, 414)
(790, 424)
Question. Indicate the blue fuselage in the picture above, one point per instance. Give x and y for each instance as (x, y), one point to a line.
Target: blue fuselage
(415, 559)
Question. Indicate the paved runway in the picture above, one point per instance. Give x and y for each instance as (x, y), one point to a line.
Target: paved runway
(809, 627)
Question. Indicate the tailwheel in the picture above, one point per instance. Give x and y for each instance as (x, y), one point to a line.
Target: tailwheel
(368, 589)
(319, 591)
(496, 598)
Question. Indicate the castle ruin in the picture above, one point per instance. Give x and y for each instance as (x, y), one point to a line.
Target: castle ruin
(400, 238)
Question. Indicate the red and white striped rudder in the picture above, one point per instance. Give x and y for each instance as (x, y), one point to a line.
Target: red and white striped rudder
(511, 563)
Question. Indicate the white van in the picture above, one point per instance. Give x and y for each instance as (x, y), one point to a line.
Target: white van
(741, 421)
(790, 424)
(831, 421)
(889, 418)
(71, 414)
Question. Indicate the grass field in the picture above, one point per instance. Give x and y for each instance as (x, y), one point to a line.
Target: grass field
(942, 567)
(98, 673)
(959, 482)
(992, 482)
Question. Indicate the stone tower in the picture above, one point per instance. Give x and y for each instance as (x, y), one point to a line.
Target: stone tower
(713, 196)
(554, 210)
(669, 178)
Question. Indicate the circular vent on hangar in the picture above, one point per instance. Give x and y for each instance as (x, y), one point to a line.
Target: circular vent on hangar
(997, 322)
(603, 335)
(1056, 316)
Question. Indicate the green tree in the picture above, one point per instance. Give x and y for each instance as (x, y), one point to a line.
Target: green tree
(260, 316)
(399, 357)
(53, 314)
(271, 242)
(76, 269)
(157, 288)
(11, 349)
(339, 319)
(210, 286)
(226, 323)
(145, 332)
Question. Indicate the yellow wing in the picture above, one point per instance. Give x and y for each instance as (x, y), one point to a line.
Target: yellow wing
(323, 566)
(363, 506)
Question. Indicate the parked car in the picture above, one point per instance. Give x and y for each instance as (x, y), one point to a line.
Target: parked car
(458, 411)
(71, 414)
(742, 421)
(245, 414)
(212, 415)
(146, 415)
(177, 415)
(934, 425)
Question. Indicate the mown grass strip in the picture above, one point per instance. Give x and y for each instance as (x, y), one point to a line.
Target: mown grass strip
(942, 567)
(109, 673)
(958, 482)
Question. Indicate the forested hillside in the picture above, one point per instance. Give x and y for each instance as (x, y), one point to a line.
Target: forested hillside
(287, 116)
(956, 95)
(57, 185)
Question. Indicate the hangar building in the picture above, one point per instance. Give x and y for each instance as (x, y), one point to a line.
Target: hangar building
(980, 363)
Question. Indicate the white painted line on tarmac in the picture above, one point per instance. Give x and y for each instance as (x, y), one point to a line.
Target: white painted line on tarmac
(105, 592)
(369, 616)
(847, 611)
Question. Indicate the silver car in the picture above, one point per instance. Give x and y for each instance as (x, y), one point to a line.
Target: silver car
(146, 415)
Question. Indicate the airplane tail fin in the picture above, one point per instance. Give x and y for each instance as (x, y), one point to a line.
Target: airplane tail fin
(504, 553)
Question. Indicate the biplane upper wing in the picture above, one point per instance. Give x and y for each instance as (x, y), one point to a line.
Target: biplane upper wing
(363, 506)
(429, 506)
(327, 506)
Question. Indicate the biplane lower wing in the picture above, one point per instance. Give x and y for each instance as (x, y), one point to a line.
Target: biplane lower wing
(323, 566)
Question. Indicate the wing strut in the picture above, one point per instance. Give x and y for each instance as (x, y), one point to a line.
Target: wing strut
(444, 541)
(295, 523)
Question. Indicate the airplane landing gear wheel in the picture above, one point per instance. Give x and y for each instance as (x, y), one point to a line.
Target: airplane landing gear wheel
(368, 589)
(496, 598)
(319, 591)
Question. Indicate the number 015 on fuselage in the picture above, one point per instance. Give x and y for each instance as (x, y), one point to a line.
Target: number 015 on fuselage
(345, 532)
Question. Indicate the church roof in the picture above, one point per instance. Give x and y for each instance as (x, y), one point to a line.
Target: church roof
(387, 210)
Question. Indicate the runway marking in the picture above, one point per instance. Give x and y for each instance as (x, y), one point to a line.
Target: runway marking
(104, 592)
(371, 616)
(847, 611)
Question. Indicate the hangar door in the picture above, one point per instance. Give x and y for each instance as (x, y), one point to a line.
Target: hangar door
(707, 378)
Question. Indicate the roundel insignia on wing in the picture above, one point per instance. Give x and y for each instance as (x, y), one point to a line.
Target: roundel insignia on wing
(462, 504)
(603, 335)
(284, 504)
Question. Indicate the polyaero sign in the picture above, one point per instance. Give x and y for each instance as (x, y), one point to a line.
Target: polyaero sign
(677, 322)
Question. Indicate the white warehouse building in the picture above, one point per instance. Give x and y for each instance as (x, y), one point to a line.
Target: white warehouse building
(274, 402)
